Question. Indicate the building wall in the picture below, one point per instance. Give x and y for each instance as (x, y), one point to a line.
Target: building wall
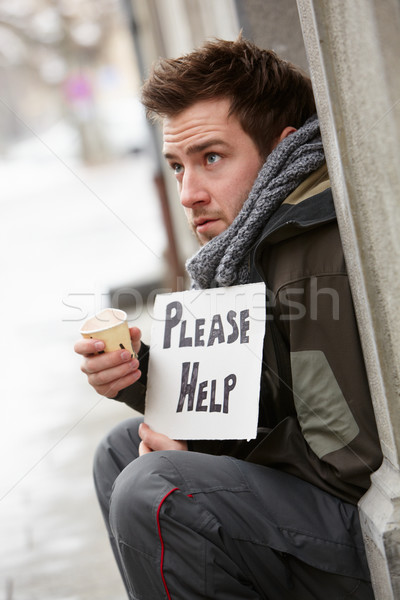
(274, 25)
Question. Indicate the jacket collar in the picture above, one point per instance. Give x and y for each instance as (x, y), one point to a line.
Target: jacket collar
(315, 183)
(310, 205)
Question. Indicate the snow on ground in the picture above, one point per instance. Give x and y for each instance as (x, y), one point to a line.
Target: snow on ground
(67, 235)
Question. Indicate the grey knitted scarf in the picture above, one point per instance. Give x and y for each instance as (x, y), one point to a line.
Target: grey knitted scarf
(222, 261)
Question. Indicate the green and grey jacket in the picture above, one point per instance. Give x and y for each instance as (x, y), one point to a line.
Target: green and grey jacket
(315, 417)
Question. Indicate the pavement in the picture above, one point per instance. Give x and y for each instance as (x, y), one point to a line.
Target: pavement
(67, 235)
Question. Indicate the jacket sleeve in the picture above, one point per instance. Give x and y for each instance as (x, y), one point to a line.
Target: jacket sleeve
(135, 394)
(331, 438)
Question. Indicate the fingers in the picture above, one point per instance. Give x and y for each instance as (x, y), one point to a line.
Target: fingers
(94, 363)
(158, 441)
(144, 449)
(108, 378)
(136, 334)
(107, 373)
(85, 347)
(105, 376)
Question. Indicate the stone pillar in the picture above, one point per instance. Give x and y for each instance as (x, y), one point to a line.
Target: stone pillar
(353, 50)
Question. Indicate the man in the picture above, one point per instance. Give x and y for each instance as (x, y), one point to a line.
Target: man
(275, 517)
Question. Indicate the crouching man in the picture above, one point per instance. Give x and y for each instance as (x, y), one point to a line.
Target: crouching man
(276, 517)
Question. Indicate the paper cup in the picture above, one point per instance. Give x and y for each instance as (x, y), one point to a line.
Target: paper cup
(111, 326)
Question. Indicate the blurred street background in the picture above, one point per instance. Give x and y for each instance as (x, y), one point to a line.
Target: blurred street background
(88, 219)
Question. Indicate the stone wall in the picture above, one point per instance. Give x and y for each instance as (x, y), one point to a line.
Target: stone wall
(352, 50)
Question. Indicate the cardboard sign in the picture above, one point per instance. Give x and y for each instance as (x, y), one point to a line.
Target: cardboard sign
(205, 363)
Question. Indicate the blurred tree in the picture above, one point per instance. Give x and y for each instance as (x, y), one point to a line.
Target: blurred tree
(51, 47)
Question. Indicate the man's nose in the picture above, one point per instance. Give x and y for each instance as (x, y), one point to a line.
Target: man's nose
(192, 189)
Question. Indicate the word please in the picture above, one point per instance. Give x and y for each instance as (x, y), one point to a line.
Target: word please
(229, 330)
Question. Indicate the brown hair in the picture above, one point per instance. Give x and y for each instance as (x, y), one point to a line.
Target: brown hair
(267, 93)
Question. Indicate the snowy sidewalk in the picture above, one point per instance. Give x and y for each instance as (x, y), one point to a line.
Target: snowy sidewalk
(67, 235)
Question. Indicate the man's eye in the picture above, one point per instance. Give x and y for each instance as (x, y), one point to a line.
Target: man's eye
(177, 168)
(212, 158)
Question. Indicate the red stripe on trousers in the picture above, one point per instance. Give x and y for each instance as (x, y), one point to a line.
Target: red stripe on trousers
(161, 539)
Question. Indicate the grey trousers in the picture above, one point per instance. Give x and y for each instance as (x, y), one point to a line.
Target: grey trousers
(190, 526)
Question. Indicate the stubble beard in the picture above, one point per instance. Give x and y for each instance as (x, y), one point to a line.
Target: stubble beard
(219, 216)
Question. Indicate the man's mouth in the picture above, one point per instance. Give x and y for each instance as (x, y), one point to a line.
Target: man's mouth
(202, 223)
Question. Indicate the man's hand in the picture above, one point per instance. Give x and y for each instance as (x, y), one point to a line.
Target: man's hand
(152, 441)
(110, 372)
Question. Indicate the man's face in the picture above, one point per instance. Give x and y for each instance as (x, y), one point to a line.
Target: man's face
(215, 163)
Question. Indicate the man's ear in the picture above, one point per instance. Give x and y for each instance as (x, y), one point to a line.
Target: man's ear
(287, 131)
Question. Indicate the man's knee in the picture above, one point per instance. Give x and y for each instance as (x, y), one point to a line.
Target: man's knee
(138, 492)
(117, 449)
